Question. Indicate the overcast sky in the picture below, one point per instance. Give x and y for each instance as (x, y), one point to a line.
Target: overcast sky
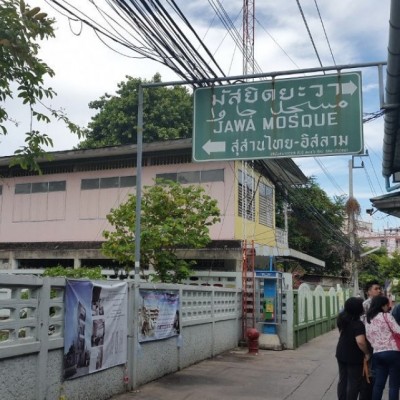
(357, 31)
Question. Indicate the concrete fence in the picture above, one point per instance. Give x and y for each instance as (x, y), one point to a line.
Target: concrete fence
(314, 311)
(32, 341)
(32, 334)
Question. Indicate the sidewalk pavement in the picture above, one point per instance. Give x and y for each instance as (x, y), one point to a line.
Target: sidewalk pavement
(308, 373)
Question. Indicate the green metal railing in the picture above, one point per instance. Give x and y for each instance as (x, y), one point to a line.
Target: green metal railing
(311, 326)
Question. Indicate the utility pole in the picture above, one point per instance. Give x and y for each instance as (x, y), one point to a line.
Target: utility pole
(248, 36)
(351, 231)
(352, 225)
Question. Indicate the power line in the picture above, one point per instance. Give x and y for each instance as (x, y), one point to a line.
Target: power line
(150, 29)
(373, 168)
(309, 32)
(327, 229)
(277, 43)
(326, 36)
(368, 117)
(329, 176)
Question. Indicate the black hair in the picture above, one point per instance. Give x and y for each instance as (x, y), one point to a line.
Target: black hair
(376, 307)
(353, 309)
(369, 285)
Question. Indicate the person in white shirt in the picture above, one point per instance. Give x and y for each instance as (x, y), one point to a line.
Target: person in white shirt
(372, 289)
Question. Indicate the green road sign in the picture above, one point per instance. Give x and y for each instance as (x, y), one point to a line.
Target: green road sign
(300, 117)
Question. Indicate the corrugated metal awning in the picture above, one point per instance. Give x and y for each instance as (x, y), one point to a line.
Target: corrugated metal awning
(391, 139)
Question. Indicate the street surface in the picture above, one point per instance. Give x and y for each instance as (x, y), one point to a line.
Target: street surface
(308, 373)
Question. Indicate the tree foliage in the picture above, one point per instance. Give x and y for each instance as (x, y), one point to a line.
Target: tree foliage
(315, 226)
(59, 271)
(167, 115)
(379, 266)
(173, 217)
(22, 74)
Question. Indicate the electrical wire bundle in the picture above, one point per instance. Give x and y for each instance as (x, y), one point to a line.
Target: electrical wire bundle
(153, 31)
(158, 30)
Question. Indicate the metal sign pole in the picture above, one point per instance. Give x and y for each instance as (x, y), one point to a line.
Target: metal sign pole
(138, 183)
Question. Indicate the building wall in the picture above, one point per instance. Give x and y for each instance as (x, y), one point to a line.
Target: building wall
(391, 241)
(223, 192)
(251, 227)
(70, 215)
(388, 238)
(74, 214)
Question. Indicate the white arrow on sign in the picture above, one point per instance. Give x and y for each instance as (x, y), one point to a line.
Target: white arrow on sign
(214, 147)
(349, 88)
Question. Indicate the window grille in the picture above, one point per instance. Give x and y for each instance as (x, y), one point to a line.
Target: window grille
(266, 211)
(246, 204)
(108, 183)
(189, 177)
(40, 187)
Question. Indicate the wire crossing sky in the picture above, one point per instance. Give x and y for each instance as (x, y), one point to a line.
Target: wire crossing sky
(99, 42)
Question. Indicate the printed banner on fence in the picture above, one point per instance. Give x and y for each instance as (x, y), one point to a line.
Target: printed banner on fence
(95, 334)
(158, 314)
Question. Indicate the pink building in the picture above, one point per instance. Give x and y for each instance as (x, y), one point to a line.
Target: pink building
(58, 217)
(388, 238)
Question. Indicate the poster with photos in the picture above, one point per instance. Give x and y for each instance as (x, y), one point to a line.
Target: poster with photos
(158, 314)
(95, 334)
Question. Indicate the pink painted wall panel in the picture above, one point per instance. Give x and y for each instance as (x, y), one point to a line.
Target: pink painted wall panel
(56, 206)
(108, 199)
(21, 208)
(89, 204)
(38, 206)
(79, 215)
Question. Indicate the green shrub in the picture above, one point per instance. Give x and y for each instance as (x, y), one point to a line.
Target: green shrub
(89, 273)
(4, 335)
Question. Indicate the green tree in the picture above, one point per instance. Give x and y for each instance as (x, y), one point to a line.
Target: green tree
(89, 273)
(167, 115)
(22, 73)
(173, 217)
(370, 266)
(315, 225)
(380, 266)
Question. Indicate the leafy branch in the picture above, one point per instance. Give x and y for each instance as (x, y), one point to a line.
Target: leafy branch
(21, 68)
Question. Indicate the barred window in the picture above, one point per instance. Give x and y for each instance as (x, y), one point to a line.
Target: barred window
(90, 184)
(40, 187)
(171, 176)
(127, 181)
(108, 183)
(189, 177)
(23, 188)
(266, 197)
(246, 204)
(212, 175)
(57, 186)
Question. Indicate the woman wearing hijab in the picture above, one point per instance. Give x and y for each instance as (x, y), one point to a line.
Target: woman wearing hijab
(380, 328)
(351, 349)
